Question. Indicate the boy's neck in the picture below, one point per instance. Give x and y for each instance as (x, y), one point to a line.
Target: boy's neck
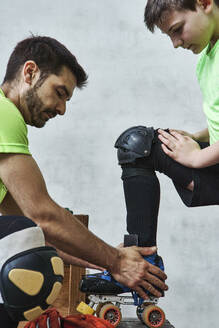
(215, 36)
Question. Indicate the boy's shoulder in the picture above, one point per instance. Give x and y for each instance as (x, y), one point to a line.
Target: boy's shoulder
(209, 56)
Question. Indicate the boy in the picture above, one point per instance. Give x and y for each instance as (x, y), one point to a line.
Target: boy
(188, 159)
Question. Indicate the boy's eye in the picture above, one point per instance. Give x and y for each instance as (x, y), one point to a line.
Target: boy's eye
(178, 29)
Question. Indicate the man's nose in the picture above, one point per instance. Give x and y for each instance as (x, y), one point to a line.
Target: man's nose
(61, 107)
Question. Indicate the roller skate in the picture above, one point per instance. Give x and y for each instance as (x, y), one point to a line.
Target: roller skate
(104, 295)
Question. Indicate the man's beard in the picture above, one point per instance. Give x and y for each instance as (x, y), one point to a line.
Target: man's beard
(35, 104)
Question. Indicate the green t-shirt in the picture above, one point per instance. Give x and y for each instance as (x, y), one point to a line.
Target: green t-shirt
(13, 133)
(208, 76)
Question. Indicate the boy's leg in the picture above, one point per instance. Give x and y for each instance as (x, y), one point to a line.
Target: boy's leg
(140, 183)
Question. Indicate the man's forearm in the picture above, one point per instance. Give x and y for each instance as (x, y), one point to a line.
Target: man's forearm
(69, 259)
(202, 136)
(67, 233)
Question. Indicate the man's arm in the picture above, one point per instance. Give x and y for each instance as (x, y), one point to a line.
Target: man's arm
(9, 207)
(26, 185)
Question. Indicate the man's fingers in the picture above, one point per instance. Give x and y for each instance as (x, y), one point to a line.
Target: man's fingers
(147, 250)
(141, 293)
(156, 282)
(157, 272)
(146, 286)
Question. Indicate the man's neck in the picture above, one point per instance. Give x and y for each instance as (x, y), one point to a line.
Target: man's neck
(12, 93)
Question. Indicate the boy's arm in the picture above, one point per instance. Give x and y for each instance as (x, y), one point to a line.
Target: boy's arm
(186, 151)
(26, 185)
(202, 136)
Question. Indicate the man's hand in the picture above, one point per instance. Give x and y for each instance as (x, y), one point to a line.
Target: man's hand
(181, 148)
(134, 271)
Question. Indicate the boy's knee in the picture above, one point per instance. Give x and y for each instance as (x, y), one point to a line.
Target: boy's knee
(134, 143)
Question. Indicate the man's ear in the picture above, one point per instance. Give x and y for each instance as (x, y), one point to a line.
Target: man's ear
(30, 70)
(206, 5)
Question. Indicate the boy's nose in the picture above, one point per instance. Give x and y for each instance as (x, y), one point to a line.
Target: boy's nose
(177, 43)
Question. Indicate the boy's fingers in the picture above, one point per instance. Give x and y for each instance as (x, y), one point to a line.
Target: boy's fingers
(177, 135)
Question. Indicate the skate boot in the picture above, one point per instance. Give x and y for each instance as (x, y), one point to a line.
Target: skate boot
(102, 289)
(104, 284)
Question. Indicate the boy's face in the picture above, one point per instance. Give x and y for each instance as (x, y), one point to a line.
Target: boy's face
(191, 30)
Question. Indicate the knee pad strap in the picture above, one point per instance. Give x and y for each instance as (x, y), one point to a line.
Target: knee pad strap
(129, 172)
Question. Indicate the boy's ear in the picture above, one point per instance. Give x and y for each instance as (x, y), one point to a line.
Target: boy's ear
(205, 4)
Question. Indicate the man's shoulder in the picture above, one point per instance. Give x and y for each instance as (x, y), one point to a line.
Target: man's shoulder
(13, 129)
(10, 116)
(6, 105)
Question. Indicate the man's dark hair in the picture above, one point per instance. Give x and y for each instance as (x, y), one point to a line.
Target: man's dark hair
(155, 8)
(49, 55)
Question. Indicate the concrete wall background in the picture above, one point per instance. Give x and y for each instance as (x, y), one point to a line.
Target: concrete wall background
(134, 78)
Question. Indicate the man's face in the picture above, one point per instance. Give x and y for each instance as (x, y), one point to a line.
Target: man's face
(48, 97)
(188, 29)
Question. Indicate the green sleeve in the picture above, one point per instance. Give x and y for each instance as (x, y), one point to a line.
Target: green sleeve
(13, 129)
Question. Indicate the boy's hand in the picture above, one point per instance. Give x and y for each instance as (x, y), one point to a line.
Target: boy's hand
(183, 133)
(133, 271)
(182, 148)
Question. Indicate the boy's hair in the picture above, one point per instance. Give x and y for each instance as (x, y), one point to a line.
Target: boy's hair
(155, 8)
(49, 55)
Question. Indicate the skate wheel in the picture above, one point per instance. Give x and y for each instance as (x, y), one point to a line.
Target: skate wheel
(110, 313)
(99, 307)
(153, 316)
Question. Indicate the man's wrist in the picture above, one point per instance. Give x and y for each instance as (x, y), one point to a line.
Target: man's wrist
(114, 263)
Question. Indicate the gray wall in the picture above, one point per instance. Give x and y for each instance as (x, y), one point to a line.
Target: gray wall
(134, 78)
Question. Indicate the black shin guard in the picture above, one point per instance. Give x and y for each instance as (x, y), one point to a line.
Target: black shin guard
(142, 196)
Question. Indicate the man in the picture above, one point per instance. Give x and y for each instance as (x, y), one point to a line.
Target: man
(41, 77)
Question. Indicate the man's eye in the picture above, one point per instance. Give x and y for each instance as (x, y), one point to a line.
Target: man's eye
(60, 95)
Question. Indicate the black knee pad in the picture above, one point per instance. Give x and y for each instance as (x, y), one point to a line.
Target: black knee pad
(31, 273)
(133, 143)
